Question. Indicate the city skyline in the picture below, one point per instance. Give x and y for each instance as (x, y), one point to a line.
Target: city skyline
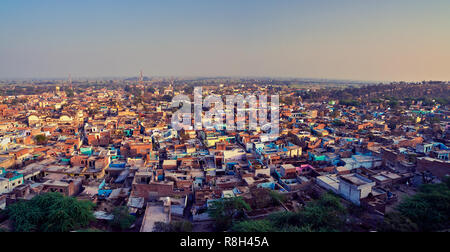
(346, 40)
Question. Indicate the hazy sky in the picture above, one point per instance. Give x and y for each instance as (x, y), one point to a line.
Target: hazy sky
(344, 39)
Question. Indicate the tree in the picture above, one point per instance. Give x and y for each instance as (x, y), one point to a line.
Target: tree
(277, 198)
(353, 103)
(338, 123)
(40, 139)
(393, 104)
(176, 226)
(322, 215)
(429, 208)
(396, 222)
(224, 211)
(325, 214)
(260, 198)
(50, 212)
(90, 230)
(122, 218)
(254, 226)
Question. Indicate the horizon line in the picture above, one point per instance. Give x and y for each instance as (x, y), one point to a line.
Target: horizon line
(211, 77)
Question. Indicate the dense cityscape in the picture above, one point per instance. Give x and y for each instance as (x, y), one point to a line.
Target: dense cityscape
(212, 124)
(103, 156)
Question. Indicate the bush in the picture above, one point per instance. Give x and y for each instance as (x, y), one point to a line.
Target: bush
(40, 139)
(428, 210)
(225, 211)
(122, 218)
(353, 103)
(90, 230)
(396, 222)
(50, 212)
(322, 215)
(277, 197)
(176, 226)
(254, 226)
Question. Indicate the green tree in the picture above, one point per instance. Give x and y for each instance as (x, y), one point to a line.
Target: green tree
(429, 208)
(393, 104)
(224, 211)
(277, 198)
(90, 230)
(396, 222)
(254, 226)
(353, 103)
(322, 215)
(122, 218)
(175, 226)
(40, 139)
(50, 212)
(325, 214)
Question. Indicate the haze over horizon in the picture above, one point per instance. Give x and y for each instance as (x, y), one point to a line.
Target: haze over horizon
(396, 40)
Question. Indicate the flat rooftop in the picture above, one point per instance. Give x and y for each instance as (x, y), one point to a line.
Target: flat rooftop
(153, 214)
(355, 179)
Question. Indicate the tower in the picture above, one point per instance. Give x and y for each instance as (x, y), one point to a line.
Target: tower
(141, 77)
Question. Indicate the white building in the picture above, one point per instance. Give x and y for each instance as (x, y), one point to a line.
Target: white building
(9, 181)
(361, 161)
(352, 187)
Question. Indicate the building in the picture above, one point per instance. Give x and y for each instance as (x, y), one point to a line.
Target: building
(66, 186)
(437, 167)
(9, 180)
(352, 187)
(156, 212)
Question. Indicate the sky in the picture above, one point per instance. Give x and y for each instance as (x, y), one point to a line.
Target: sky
(383, 40)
